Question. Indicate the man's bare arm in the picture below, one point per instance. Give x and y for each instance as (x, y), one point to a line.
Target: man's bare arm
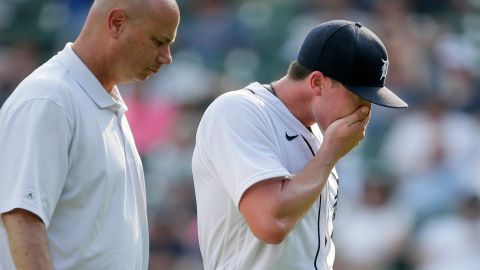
(28, 240)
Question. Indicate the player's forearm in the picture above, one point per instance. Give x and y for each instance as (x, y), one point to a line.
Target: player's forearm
(302, 191)
(27, 240)
(273, 207)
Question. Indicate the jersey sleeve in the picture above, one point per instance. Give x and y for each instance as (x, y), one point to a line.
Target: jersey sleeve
(239, 144)
(34, 140)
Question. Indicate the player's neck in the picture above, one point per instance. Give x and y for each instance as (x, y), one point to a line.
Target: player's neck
(298, 102)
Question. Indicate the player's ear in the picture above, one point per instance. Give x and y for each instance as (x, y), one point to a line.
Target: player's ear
(117, 19)
(317, 82)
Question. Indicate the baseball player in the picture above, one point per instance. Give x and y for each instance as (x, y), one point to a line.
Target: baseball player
(263, 165)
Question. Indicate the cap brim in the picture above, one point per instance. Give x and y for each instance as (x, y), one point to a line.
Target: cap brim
(379, 95)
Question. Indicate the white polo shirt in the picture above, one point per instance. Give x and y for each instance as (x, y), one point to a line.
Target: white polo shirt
(67, 155)
(244, 137)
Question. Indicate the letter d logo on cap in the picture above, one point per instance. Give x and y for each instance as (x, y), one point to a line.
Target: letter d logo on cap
(384, 69)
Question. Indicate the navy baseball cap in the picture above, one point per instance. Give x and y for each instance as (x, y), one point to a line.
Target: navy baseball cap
(353, 55)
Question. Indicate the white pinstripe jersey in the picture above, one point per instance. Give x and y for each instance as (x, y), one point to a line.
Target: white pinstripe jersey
(244, 137)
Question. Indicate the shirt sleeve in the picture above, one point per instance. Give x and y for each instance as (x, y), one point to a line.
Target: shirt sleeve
(239, 144)
(34, 140)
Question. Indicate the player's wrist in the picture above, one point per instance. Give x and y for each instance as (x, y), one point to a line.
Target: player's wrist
(326, 157)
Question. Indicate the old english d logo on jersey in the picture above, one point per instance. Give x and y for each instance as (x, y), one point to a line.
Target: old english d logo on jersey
(384, 69)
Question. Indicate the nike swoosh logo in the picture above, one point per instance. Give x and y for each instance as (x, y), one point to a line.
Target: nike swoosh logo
(289, 138)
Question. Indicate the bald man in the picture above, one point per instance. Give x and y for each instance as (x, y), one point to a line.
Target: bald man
(72, 192)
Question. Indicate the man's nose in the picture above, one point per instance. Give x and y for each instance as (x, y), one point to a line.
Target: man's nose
(164, 55)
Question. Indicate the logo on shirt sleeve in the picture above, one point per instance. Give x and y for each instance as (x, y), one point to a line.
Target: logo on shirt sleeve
(29, 194)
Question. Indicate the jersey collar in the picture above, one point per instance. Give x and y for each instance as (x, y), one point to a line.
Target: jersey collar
(89, 83)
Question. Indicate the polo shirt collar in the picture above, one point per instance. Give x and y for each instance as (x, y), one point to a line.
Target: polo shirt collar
(89, 83)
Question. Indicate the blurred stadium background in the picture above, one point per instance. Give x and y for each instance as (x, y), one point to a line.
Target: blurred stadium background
(409, 193)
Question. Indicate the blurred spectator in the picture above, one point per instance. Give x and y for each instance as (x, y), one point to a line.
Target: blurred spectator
(151, 117)
(431, 137)
(456, 83)
(428, 149)
(371, 234)
(406, 36)
(451, 241)
(16, 62)
(188, 81)
(211, 31)
(75, 13)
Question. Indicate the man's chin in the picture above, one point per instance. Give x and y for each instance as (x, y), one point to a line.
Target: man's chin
(148, 73)
(142, 77)
(139, 77)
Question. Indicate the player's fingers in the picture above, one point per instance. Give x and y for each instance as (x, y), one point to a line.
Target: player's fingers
(359, 115)
(360, 127)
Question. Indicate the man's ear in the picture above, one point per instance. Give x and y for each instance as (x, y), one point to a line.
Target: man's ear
(117, 19)
(317, 82)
